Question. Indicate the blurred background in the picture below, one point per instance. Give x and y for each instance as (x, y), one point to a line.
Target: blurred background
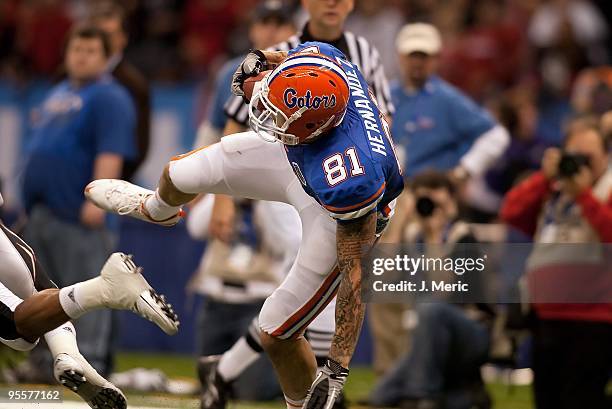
(532, 64)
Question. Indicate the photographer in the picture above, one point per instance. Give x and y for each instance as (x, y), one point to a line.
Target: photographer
(569, 201)
(452, 337)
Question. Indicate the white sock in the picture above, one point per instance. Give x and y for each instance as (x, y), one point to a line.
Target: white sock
(239, 357)
(80, 298)
(158, 209)
(294, 404)
(62, 340)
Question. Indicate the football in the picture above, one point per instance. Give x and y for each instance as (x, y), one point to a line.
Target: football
(249, 84)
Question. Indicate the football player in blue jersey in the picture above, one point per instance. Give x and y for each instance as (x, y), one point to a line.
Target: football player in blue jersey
(335, 164)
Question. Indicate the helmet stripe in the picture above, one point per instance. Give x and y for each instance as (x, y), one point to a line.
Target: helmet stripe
(308, 61)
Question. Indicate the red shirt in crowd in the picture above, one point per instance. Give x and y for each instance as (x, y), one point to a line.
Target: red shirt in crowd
(521, 209)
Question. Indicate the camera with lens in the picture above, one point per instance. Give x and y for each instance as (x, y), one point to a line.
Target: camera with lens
(571, 163)
(425, 206)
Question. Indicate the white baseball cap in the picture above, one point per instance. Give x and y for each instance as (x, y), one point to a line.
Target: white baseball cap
(418, 37)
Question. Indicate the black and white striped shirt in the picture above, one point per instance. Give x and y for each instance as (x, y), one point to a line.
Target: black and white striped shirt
(358, 51)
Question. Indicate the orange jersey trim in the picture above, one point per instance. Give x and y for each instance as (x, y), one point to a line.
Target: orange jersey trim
(355, 206)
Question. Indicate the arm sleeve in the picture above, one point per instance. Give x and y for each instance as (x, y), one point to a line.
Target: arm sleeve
(114, 123)
(523, 203)
(486, 150)
(598, 214)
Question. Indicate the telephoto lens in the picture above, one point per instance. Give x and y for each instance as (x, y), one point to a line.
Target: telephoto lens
(571, 163)
(425, 206)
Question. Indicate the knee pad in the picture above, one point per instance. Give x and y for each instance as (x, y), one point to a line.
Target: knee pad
(270, 316)
(274, 317)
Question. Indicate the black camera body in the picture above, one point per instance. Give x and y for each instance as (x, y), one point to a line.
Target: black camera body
(425, 206)
(571, 163)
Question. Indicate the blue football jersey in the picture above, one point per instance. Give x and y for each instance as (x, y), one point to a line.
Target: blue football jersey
(352, 170)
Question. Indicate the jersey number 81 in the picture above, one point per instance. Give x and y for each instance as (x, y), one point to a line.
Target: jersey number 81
(336, 170)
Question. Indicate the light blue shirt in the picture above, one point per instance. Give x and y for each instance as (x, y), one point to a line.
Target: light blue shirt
(435, 126)
(76, 125)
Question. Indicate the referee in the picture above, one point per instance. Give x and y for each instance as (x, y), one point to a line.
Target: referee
(326, 24)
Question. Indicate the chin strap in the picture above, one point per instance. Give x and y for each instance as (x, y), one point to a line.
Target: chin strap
(321, 129)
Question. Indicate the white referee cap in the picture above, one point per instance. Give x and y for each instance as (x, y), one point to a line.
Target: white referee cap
(418, 37)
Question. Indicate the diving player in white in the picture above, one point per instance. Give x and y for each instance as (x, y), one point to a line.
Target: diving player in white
(336, 165)
(31, 306)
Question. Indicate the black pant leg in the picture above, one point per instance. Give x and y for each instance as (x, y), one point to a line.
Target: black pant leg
(546, 366)
(588, 365)
(572, 364)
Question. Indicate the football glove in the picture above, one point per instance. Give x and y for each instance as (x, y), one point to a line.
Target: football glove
(254, 63)
(327, 386)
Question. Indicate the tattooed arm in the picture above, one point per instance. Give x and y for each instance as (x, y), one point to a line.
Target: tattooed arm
(353, 240)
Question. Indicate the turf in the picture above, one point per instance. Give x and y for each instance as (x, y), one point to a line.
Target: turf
(359, 384)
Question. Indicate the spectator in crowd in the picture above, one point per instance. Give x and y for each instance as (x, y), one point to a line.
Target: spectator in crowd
(85, 131)
(569, 201)
(450, 341)
(110, 18)
(379, 22)
(435, 125)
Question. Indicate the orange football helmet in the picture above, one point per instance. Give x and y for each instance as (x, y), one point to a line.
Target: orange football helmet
(305, 96)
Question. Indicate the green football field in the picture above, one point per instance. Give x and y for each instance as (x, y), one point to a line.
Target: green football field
(182, 367)
(359, 384)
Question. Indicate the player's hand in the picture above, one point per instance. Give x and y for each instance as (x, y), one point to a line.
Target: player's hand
(550, 163)
(254, 63)
(327, 386)
(222, 219)
(92, 216)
